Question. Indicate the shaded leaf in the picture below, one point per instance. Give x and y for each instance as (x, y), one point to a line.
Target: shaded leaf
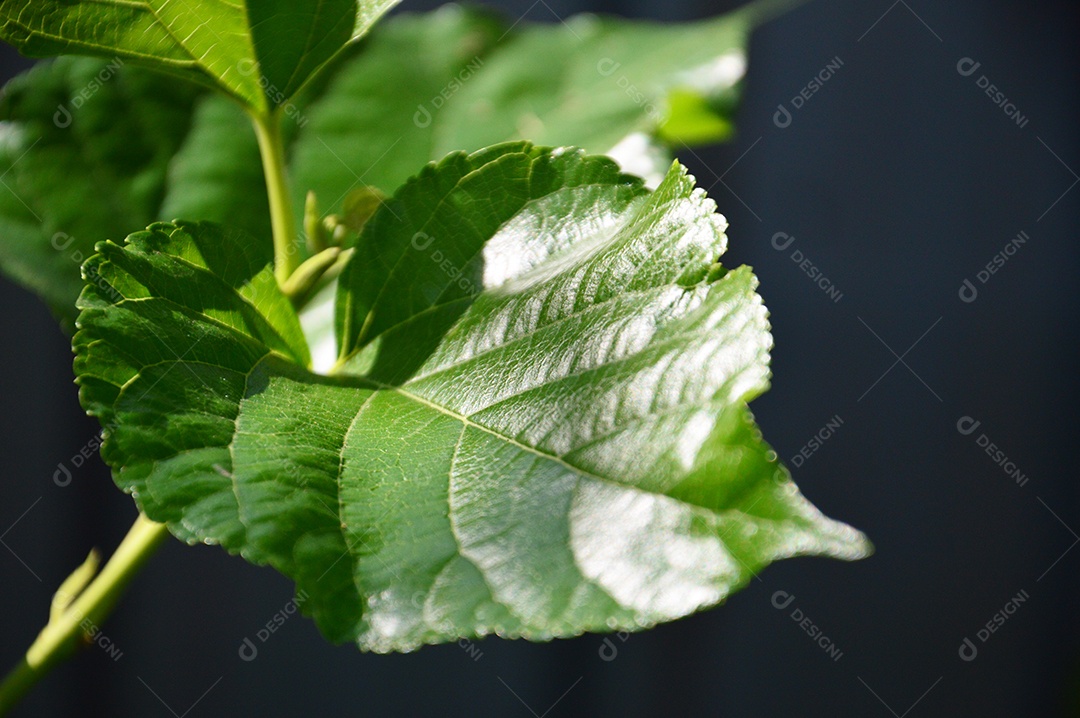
(85, 148)
(216, 174)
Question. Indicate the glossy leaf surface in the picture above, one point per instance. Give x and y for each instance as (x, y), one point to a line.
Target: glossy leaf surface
(538, 425)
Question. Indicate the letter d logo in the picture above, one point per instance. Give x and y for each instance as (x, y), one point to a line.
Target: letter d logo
(781, 118)
(778, 242)
(967, 425)
(967, 66)
(248, 651)
(422, 118)
(607, 67)
(422, 240)
(782, 599)
(62, 117)
(968, 292)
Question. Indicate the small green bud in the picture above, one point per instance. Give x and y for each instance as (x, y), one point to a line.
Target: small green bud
(313, 226)
(301, 283)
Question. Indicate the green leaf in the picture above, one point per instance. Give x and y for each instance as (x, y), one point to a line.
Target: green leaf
(216, 174)
(478, 82)
(90, 147)
(361, 124)
(538, 426)
(601, 80)
(261, 53)
(85, 148)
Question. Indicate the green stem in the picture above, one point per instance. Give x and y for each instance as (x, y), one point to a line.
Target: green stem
(90, 608)
(282, 219)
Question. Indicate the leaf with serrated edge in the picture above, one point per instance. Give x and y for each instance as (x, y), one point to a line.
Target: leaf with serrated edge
(541, 430)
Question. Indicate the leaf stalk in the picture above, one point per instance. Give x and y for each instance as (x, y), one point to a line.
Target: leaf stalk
(67, 625)
(282, 217)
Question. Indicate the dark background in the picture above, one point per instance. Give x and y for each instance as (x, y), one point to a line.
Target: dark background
(898, 180)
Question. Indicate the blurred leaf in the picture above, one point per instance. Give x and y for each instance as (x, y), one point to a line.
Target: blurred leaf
(479, 82)
(692, 120)
(360, 205)
(216, 174)
(84, 152)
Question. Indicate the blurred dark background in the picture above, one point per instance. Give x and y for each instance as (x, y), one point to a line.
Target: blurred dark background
(898, 180)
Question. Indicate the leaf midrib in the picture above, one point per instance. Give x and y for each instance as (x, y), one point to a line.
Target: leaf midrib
(382, 386)
(578, 472)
